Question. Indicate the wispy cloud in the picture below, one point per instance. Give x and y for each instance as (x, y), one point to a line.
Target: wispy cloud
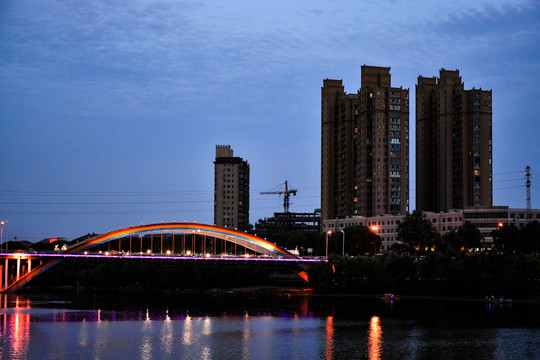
(170, 79)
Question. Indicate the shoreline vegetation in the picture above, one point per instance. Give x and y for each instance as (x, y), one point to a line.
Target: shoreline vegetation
(468, 276)
(252, 292)
(431, 274)
(422, 263)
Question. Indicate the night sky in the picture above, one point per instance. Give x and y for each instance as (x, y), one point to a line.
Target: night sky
(110, 111)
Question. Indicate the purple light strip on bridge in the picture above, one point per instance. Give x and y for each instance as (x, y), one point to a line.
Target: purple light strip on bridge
(160, 257)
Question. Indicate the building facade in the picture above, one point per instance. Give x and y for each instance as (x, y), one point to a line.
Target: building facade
(231, 189)
(364, 147)
(453, 144)
(283, 222)
(486, 219)
(386, 226)
(489, 218)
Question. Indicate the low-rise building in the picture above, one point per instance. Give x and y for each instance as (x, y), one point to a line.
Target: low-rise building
(386, 226)
(486, 219)
(289, 222)
(489, 218)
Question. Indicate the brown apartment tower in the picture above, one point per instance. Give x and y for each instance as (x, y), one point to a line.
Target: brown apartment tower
(231, 189)
(364, 147)
(453, 144)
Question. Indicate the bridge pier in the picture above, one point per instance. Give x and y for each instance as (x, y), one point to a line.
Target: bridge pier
(6, 268)
(11, 272)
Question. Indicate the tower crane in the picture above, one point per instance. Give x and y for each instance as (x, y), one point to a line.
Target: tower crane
(286, 196)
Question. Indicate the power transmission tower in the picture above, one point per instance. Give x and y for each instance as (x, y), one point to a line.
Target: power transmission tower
(528, 184)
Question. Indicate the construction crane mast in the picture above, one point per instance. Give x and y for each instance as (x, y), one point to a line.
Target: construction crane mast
(286, 196)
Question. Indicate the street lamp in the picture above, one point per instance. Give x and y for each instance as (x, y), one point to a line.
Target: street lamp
(343, 251)
(329, 232)
(2, 223)
(374, 229)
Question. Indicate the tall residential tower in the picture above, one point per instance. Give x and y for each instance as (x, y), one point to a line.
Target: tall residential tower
(453, 144)
(231, 189)
(364, 147)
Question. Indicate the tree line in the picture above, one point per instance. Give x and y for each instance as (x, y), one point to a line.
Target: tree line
(418, 235)
(433, 274)
(423, 262)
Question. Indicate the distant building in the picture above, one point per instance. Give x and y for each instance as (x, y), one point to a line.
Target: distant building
(52, 240)
(489, 218)
(231, 189)
(453, 144)
(485, 219)
(364, 147)
(289, 222)
(387, 225)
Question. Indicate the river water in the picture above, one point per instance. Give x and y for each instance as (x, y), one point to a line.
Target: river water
(286, 325)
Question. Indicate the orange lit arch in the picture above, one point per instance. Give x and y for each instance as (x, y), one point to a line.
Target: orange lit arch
(251, 242)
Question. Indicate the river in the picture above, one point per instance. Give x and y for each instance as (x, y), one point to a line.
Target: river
(283, 325)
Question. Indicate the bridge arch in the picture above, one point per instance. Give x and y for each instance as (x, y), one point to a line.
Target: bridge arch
(251, 242)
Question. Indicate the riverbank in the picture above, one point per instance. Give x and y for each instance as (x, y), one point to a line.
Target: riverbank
(472, 276)
(248, 291)
(432, 274)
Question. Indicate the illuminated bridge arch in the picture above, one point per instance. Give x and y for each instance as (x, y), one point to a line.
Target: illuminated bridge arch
(251, 242)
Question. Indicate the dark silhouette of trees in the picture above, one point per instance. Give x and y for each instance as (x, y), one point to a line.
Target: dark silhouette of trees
(417, 232)
(531, 238)
(433, 274)
(510, 239)
(466, 237)
(506, 238)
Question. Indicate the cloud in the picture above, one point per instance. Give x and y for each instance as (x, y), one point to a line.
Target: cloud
(170, 79)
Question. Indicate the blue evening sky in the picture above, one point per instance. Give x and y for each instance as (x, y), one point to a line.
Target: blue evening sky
(110, 111)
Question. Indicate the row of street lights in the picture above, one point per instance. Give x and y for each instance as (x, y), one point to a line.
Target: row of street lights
(329, 232)
(373, 228)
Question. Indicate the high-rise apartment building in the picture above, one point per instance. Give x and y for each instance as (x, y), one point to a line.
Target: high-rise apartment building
(364, 147)
(231, 189)
(453, 144)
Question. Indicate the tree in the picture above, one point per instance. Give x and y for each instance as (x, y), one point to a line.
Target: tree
(506, 238)
(417, 232)
(531, 237)
(466, 237)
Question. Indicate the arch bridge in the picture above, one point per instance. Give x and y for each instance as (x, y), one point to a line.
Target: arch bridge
(172, 241)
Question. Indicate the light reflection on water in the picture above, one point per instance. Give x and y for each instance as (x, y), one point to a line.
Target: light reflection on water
(298, 332)
(375, 334)
(329, 345)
